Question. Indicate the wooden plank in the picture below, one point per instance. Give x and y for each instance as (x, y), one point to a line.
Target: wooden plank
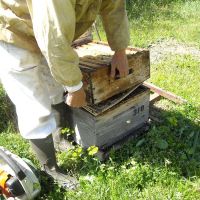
(154, 97)
(102, 61)
(169, 95)
(83, 39)
(89, 65)
(86, 69)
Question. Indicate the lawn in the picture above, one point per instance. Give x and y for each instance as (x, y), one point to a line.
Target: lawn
(164, 163)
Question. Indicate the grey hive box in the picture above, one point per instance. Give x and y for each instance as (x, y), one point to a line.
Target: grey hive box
(95, 128)
(95, 62)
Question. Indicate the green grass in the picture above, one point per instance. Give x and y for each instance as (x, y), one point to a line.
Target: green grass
(151, 21)
(164, 163)
(140, 170)
(179, 74)
(7, 112)
(179, 20)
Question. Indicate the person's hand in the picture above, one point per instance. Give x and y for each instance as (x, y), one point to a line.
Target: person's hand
(76, 99)
(120, 63)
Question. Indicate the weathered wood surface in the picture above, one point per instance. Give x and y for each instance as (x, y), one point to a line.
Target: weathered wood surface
(83, 39)
(100, 108)
(154, 97)
(114, 124)
(166, 94)
(95, 62)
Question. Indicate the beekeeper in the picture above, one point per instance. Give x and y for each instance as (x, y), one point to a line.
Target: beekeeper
(37, 63)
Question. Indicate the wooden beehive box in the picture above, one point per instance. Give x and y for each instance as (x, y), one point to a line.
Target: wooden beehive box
(102, 129)
(95, 62)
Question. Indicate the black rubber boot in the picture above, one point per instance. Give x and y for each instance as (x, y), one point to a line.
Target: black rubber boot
(45, 152)
(61, 112)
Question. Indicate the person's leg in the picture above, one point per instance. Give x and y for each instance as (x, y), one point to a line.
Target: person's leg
(60, 110)
(44, 149)
(26, 87)
(21, 78)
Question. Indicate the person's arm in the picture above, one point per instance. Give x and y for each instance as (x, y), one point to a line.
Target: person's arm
(115, 22)
(54, 28)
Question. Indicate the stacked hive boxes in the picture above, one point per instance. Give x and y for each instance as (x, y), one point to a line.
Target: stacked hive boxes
(116, 108)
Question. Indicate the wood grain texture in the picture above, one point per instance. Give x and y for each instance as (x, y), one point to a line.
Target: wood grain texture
(97, 57)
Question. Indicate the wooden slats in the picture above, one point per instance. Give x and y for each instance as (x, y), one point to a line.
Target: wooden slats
(98, 56)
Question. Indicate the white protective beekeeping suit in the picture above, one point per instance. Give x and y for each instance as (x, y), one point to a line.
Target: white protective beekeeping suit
(28, 81)
(49, 27)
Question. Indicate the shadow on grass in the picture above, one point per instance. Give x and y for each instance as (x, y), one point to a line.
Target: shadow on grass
(167, 154)
(7, 113)
(173, 144)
